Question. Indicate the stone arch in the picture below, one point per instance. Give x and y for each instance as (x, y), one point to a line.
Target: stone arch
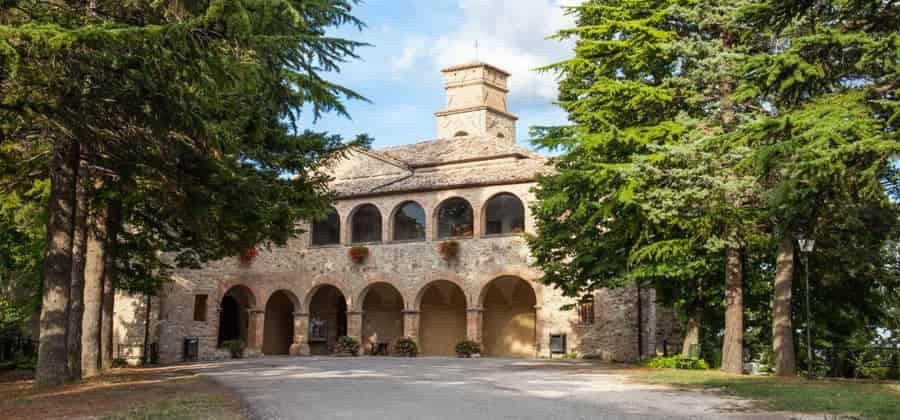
(327, 305)
(486, 204)
(234, 314)
(509, 323)
(522, 272)
(307, 299)
(436, 212)
(278, 327)
(431, 280)
(392, 223)
(382, 307)
(322, 232)
(443, 309)
(352, 228)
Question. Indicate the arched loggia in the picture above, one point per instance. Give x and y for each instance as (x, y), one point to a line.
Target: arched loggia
(509, 318)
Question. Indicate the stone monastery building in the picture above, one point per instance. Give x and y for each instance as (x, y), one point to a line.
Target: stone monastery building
(471, 185)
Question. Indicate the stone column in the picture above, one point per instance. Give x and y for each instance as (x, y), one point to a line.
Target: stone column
(300, 346)
(538, 331)
(411, 325)
(255, 332)
(474, 321)
(354, 327)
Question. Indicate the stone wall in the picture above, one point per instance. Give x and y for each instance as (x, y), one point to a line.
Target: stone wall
(410, 267)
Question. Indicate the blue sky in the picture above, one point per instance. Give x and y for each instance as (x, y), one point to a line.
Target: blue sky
(411, 42)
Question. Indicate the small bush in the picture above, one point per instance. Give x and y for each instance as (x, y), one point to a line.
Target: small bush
(347, 345)
(406, 347)
(675, 362)
(20, 361)
(467, 348)
(119, 362)
(236, 347)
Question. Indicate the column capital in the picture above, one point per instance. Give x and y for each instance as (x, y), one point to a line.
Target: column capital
(410, 312)
(349, 313)
(479, 309)
(301, 313)
(254, 311)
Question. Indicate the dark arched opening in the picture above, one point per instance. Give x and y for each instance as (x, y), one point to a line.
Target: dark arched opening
(278, 330)
(327, 319)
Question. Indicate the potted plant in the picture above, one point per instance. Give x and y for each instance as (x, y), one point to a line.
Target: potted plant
(236, 347)
(449, 249)
(346, 346)
(468, 348)
(406, 347)
(359, 253)
(248, 256)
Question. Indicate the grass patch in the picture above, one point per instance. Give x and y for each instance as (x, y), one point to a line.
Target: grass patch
(868, 399)
(199, 407)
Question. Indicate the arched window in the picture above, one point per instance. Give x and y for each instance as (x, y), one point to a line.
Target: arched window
(366, 224)
(328, 230)
(504, 214)
(454, 218)
(409, 222)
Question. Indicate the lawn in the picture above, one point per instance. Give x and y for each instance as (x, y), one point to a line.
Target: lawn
(867, 399)
(153, 393)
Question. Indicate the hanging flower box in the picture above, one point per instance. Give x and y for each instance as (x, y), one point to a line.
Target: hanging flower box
(449, 249)
(358, 253)
(248, 256)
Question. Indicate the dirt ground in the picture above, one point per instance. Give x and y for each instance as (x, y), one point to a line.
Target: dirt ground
(164, 392)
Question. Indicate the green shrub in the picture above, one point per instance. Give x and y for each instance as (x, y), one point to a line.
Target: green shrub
(119, 362)
(347, 345)
(675, 362)
(467, 348)
(236, 347)
(20, 361)
(406, 347)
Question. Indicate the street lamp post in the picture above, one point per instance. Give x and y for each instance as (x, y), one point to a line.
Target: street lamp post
(806, 247)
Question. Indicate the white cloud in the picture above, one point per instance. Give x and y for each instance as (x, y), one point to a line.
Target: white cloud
(413, 50)
(511, 34)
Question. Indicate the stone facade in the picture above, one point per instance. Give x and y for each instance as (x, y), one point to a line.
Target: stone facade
(406, 287)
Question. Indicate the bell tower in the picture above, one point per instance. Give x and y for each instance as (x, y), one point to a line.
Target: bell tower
(476, 104)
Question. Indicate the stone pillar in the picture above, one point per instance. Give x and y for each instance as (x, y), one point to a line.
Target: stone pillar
(539, 331)
(354, 326)
(411, 325)
(300, 346)
(474, 323)
(255, 332)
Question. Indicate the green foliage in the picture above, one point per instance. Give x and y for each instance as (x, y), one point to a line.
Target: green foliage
(346, 345)
(675, 362)
(20, 361)
(467, 348)
(236, 347)
(119, 363)
(406, 347)
(188, 112)
(702, 125)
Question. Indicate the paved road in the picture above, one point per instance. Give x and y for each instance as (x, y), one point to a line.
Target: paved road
(438, 388)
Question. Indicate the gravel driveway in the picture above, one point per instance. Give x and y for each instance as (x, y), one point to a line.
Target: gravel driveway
(370, 388)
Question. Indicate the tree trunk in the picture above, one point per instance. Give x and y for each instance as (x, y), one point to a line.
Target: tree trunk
(93, 294)
(692, 335)
(146, 354)
(782, 331)
(114, 220)
(76, 285)
(733, 343)
(52, 366)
